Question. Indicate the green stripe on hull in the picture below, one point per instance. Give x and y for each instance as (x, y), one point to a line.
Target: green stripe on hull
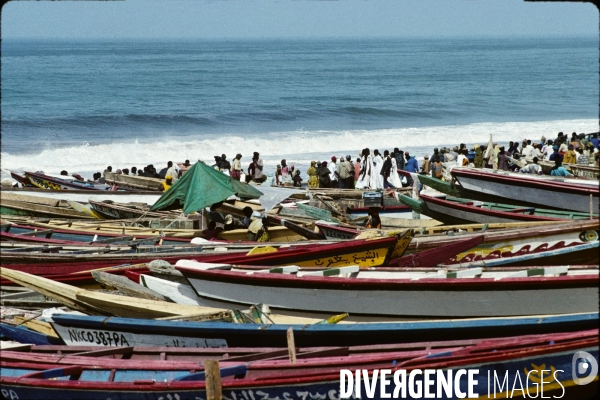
(414, 204)
(439, 185)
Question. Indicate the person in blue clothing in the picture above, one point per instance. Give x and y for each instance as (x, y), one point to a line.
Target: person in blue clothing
(411, 163)
(411, 166)
(558, 169)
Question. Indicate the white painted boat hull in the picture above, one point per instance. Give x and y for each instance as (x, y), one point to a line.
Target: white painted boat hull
(533, 195)
(423, 303)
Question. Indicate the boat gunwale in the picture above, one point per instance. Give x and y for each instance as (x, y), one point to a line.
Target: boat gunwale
(488, 212)
(538, 184)
(365, 284)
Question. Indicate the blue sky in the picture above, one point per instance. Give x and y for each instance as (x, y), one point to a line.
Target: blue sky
(191, 19)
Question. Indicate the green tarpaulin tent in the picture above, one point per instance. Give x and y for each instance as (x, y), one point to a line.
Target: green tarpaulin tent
(202, 186)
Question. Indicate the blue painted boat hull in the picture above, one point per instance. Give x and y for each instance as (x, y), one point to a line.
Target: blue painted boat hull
(89, 330)
(24, 335)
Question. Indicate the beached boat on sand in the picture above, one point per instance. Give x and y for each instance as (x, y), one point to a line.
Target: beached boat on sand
(30, 234)
(363, 252)
(42, 376)
(520, 241)
(578, 170)
(104, 303)
(551, 193)
(110, 210)
(82, 196)
(9, 206)
(276, 233)
(460, 294)
(61, 182)
(22, 179)
(457, 211)
(73, 330)
(134, 181)
(180, 291)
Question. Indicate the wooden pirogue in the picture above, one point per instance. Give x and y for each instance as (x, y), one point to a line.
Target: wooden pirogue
(458, 211)
(508, 188)
(458, 294)
(137, 332)
(64, 182)
(38, 207)
(425, 259)
(123, 227)
(110, 210)
(173, 287)
(498, 244)
(79, 377)
(132, 181)
(108, 304)
(363, 252)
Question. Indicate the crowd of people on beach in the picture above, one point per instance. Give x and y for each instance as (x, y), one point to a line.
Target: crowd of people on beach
(578, 149)
(376, 170)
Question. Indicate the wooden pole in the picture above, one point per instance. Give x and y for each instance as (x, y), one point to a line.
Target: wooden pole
(213, 380)
(415, 195)
(291, 345)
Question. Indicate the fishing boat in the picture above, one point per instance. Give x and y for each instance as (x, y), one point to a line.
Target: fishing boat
(76, 377)
(507, 187)
(74, 329)
(586, 253)
(578, 170)
(362, 252)
(83, 195)
(457, 211)
(108, 304)
(180, 291)
(584, 171)
(10, 206)
(23, 335)
(517, 239)
(61, 182)
(125, 227)
(22, 179)
(109, 209)
(461, 294)
(33, 234)
(83, 279)
(104, 303)
(134, 181)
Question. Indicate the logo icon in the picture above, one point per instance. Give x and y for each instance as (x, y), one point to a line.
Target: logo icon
(584, 368)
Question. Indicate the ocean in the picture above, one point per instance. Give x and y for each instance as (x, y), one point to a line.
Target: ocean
(83, 105)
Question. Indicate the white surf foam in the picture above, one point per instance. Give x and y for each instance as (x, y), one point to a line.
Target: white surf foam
(299, 147)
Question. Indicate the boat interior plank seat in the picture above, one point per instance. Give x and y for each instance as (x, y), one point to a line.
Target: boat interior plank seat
(46, 232)
(546, 271)
(351, 270)
(43, 249)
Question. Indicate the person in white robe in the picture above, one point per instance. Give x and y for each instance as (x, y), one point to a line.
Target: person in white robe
(377, 165)
(366, 180)
(394, 178)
